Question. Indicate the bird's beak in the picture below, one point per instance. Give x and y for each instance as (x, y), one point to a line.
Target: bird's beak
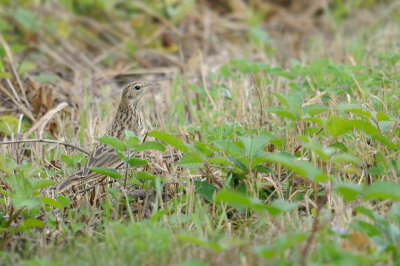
(152, 85)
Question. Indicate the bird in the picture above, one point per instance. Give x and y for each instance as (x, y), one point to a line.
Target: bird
(127, 117)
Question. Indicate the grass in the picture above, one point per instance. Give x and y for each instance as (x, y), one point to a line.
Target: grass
(298, 166)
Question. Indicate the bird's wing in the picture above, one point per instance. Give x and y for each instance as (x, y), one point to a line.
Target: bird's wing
(102, 155)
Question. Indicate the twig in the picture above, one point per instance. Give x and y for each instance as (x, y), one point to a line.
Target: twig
(47, 141)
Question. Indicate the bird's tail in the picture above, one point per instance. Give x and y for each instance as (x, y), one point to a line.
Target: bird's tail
(68, 182)
(76, 179)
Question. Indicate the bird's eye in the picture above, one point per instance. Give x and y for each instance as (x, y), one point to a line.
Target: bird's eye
(137, 87)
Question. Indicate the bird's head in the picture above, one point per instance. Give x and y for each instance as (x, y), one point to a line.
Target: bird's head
(135, 90)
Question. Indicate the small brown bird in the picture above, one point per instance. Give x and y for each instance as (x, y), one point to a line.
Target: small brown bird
(103, 155)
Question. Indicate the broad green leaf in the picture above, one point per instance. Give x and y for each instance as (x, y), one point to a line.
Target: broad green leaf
(192, 262)
(147, 176)
(365, 211)
(220, 160)
(67, 159)
(77, 158)
(319, 64)
(344, 157)
(64, 201)
(205, 189)
(136, 162)
(369, 229)
(169, 139)
(149, 145)
(225, 71)
(279, 206)
(5, 193)
(33, 172)
(191, 160)
(382, 190)
(42, 183)
(336, 126)
(254, 145)
(281, 112)
(32, 222)
(303, 138)
(314, 109)
(338, 145)
(130, 138)
(380, 116)
(51, 202)
(20, 201)
(114, 142)
(317, 121)
(156, 216)
(229, 147)
(349, 191)
(111, 172)
(241, 65)
(363, 125)
(324, 153)
(265, 251)
(204, 243)
(386, 141)
(206, 148)
(279, 72)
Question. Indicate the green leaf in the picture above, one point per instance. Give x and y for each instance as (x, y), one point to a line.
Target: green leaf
(279, 206)
(349, 191)
(225, 71)
(386, 141)
(364, 125)
(380, 116)
(20, 201)
(303, 138)
(32, 222)
(205, 189)
(77, 158)
(279, 72)
(192, 262)
(51, 202)
(230, 147)
(191, 160)
(67, 159)
(317, 121)
(365, 227)
(314, 109)
(147, 176)
(281, 112)
(130, 138)
(241, 65)
(220, 160)
(27, 19)
(111, 172)
(382, 191)
(336, 126)
(114, 142)
(149, 145)
(317, 65)
(255, 145)
(64, 201)
(200, 242)
(344, 157)
(169, 139)
(136, 162)
(43, 183)
(324, 153)
(5, 193)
